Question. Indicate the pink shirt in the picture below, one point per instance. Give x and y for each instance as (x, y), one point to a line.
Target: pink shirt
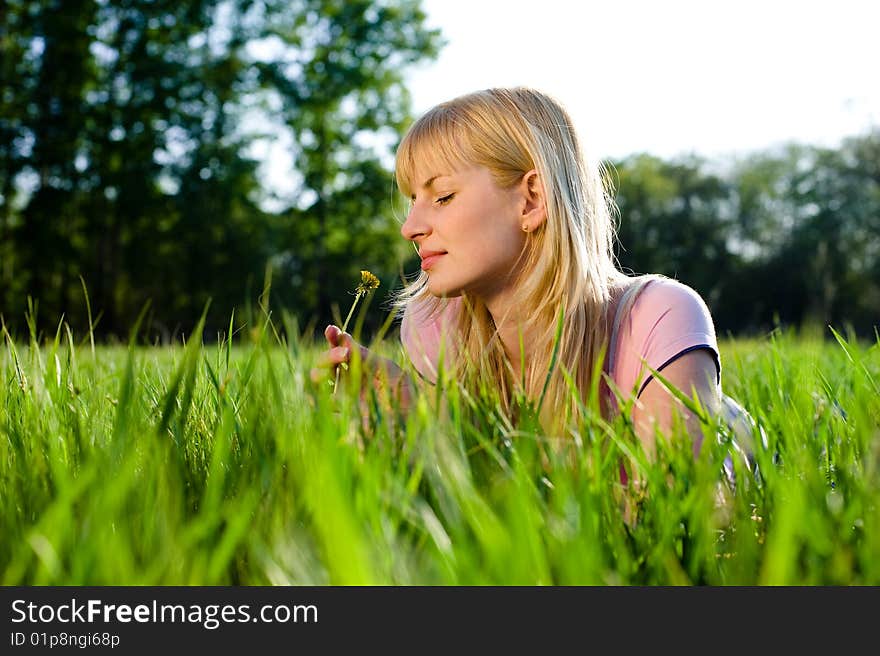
(667, 320)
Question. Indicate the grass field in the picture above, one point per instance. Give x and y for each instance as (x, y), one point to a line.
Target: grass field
(226, 465)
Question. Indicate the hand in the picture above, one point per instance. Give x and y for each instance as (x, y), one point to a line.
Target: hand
(385, 375)
(342, 345)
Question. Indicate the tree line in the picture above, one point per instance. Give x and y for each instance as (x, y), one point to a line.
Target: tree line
(788, 236)
(129, 133)
(132, 164)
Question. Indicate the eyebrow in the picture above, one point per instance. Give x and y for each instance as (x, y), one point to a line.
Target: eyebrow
(430, 181)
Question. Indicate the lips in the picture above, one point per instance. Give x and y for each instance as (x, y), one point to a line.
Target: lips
(429, 258)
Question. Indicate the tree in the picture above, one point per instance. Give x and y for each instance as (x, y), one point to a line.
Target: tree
(47, 73)
(133, 122)
(346, 111)
(811, 220)
(675, 219)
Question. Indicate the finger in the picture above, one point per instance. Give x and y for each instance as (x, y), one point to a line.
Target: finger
(332, 333)
(344, 339)
(336, 355)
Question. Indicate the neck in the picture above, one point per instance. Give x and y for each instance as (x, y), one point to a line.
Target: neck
(510, 324)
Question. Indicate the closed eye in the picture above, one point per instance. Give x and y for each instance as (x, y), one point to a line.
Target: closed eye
(444, 199)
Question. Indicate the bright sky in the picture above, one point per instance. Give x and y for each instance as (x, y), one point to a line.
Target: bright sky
(670, 76)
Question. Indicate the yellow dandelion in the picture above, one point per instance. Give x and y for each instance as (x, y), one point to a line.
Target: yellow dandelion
(369, 282)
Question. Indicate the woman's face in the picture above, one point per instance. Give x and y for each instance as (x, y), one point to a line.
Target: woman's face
(468, 231)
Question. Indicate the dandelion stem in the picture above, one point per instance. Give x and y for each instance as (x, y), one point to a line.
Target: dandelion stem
(368, 283)
(357, 297)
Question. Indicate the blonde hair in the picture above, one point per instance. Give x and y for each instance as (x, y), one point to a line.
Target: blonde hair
(568, 264)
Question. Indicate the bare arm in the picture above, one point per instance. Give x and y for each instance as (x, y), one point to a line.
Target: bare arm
(694, 371)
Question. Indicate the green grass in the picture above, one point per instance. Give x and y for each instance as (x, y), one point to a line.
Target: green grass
(217, 465)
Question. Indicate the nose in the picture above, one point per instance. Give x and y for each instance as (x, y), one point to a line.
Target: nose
(415, 227)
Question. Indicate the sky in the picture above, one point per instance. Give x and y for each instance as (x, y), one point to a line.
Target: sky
(670, 77)
(716, 78)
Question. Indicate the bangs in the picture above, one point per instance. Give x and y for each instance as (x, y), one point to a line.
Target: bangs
(436, 144)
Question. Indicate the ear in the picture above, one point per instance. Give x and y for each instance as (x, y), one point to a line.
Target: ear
(534, 211)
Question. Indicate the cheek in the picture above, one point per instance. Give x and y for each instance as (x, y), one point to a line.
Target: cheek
(494, 252)
(487, 231)
(512, 241)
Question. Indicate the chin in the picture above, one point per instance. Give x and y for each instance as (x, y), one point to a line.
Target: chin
(440, 290)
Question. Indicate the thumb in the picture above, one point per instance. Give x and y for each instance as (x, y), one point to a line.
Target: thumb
(332, 333)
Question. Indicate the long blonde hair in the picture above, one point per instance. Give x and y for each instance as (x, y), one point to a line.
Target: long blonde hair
(568, 264)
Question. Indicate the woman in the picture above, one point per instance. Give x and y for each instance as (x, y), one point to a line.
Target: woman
(515, 231)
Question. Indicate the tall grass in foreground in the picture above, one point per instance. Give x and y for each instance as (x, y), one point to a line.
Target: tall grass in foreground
(225, 465)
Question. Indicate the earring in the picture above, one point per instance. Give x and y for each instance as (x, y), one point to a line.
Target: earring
(525, 227)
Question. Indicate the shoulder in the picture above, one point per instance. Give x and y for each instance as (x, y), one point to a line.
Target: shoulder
(672, 304)
(665, 320)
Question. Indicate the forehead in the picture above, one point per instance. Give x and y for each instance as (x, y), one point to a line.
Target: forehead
(428, 151)
(427, 169)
